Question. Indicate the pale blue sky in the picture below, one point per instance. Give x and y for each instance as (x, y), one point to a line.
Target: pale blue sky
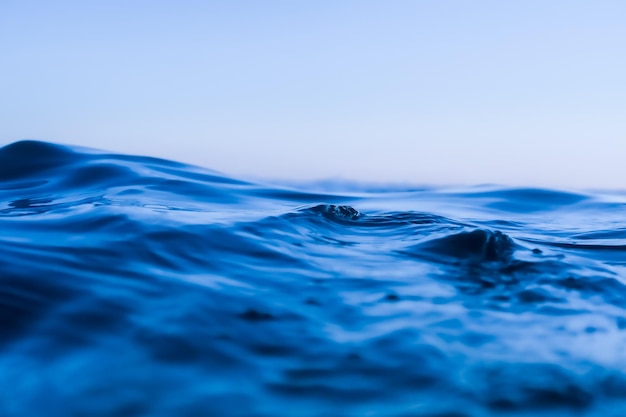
(462, 92)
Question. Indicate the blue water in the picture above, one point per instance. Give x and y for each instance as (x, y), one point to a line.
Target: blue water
(133, 286)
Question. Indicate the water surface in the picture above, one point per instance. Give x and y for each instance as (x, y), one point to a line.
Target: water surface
(134, 286)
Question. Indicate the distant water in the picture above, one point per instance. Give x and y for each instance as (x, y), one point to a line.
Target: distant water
(133, 286)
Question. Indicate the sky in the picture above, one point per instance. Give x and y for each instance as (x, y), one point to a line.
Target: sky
(520, 93)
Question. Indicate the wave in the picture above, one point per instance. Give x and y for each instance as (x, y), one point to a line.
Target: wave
(135, 286)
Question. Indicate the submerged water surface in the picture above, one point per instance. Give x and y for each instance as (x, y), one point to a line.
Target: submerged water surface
(133, 286)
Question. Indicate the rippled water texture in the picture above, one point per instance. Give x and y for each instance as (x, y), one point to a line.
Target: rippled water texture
(132, 286)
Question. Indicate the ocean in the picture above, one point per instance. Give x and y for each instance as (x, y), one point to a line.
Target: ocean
(134, 286)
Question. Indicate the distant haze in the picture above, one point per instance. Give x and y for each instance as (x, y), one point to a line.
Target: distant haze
(426, 92)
